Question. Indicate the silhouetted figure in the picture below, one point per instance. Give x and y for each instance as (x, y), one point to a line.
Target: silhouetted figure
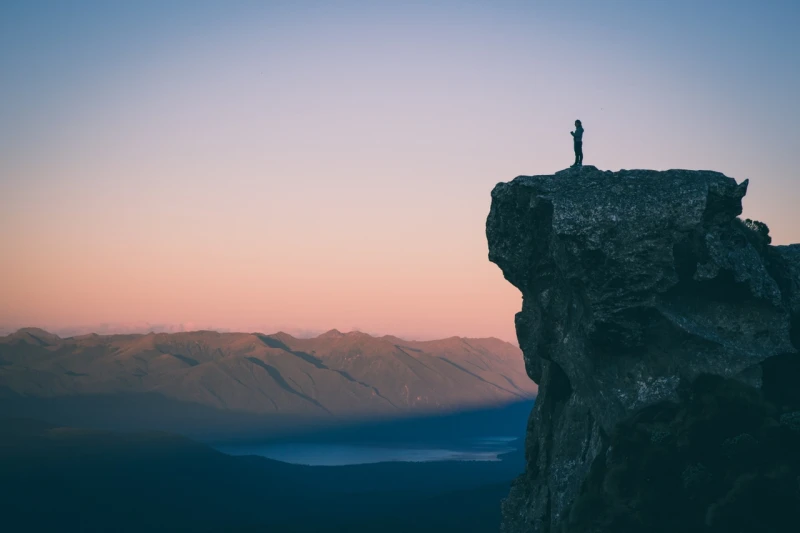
(577, 137)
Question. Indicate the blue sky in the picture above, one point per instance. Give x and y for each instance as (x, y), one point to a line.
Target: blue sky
(328, 164)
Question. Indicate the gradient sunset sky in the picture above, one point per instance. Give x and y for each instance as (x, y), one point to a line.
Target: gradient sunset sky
(313, 165)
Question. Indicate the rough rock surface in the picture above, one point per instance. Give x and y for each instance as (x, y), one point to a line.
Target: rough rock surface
(643, 292)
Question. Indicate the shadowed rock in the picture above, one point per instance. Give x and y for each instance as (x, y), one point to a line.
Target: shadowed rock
(635, 284)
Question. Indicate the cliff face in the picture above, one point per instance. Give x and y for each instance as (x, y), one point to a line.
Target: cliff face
(644, 299)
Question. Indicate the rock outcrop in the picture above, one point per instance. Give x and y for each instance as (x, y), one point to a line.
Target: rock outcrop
(663, 333)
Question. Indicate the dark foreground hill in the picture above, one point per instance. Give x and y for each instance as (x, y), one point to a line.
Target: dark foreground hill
(663, 332)
(242, 379)
(71, 480)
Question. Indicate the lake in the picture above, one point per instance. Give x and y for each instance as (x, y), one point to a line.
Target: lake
(340, 454)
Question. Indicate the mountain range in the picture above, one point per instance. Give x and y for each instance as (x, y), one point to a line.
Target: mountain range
(330, 377)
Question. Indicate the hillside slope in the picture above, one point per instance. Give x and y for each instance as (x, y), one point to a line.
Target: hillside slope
(335, 375)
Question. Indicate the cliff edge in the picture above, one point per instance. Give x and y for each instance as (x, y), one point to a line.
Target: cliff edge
(662, 331)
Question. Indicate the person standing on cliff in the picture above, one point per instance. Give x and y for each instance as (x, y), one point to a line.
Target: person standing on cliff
(577, 138)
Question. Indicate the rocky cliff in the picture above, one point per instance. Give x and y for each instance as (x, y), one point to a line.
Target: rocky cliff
(663, 333)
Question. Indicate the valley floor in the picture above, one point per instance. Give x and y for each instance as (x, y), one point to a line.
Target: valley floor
(73, 480)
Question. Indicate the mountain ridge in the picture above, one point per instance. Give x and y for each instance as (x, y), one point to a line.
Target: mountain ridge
(334, 375)
(34, 331)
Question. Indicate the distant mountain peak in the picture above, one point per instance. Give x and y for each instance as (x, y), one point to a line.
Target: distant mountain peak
(35, 336)
(34, 331)
(336, 334)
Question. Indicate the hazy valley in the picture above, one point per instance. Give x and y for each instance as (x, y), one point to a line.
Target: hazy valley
(247, 394)
(77, 480)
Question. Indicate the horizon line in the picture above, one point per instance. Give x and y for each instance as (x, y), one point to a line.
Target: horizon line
(8, 332)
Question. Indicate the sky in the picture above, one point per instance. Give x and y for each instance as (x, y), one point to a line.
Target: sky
(303, 166)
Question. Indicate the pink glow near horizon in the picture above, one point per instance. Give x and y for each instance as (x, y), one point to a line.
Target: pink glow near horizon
(331, 167)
